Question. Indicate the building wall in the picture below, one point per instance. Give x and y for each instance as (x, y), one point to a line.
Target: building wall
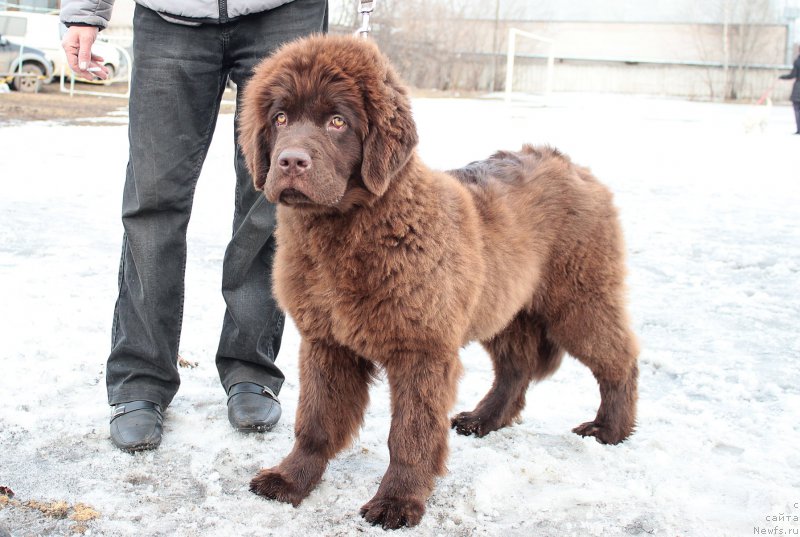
(685, 60)
(666, 42)
(688, 81)
(670, 80)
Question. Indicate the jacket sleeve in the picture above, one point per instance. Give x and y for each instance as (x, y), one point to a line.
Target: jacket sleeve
(86, 12)
(795, 71)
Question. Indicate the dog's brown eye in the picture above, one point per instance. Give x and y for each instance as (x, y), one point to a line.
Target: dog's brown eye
(338, 122)
(281, 119)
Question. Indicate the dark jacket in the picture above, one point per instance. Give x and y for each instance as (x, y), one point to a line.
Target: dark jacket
(795, 98)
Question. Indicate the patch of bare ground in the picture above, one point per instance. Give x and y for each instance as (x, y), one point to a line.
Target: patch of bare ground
(50, 104)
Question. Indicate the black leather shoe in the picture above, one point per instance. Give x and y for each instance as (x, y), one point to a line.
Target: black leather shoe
(136, 425)
(252, 407)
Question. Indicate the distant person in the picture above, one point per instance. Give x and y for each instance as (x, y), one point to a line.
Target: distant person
(795, 98)
(183, 53)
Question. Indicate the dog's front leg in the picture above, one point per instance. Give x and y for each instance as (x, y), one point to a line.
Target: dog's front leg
(334, 390)
(423, 389)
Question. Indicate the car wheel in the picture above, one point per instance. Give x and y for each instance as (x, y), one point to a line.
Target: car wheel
(111, 71)
(31, 83)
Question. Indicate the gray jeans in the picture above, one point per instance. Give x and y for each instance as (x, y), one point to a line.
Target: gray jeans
(179, 74)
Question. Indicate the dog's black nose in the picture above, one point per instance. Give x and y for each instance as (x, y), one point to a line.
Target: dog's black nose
(294, 161)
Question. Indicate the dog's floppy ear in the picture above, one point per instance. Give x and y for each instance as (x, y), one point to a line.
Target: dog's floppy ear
(391, 132)
(254, 132)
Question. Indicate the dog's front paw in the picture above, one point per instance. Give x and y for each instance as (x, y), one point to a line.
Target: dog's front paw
(274, 485)
(393, 513)
(468, 423)
(601, 432)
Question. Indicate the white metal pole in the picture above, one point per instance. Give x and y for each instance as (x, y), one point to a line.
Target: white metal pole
(512, 36)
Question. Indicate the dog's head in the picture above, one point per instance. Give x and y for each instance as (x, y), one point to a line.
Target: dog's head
(324, 116)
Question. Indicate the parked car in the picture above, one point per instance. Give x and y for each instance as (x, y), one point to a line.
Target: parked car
(44, 32)
(35, 67)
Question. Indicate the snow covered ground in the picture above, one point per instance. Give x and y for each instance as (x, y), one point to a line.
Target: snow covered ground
(711, 216)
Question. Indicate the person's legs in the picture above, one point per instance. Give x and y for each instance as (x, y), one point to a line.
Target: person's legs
(797, 115)
(177, 82)
(253, 324)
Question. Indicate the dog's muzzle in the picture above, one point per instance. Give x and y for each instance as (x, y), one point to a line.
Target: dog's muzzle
(292, 196)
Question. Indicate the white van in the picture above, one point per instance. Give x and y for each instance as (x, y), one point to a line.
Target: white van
(44, 32)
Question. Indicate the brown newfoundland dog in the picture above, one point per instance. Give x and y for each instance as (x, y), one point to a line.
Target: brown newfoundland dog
(385, 263)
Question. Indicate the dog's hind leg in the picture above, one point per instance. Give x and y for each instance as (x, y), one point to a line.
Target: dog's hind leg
(520, 353)
(334, 391)
(423, 388)
(596, 333)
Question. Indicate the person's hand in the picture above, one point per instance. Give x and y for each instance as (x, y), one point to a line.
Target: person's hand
(77, 44)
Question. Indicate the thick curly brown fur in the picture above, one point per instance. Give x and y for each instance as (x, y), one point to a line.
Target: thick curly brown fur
(382, 262)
